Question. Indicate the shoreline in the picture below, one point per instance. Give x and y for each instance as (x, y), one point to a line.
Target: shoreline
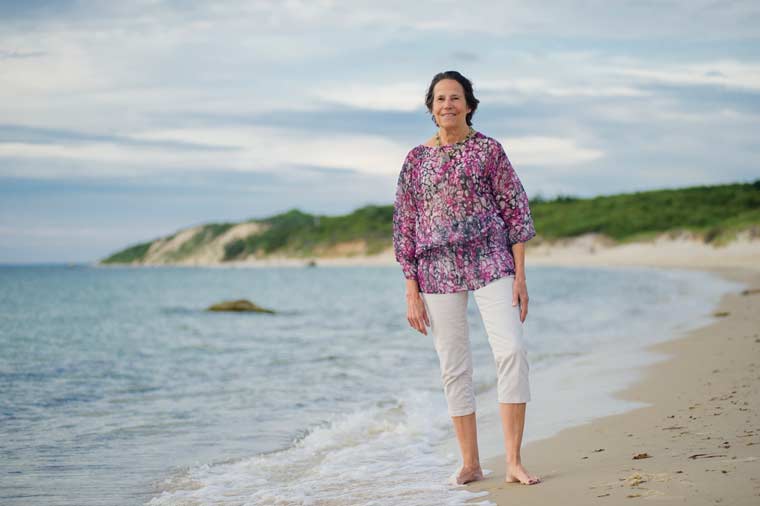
(593, 377)
(701, 434)
(665, 250)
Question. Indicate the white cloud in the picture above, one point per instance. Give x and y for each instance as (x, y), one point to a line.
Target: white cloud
(217, 73)
(625, 20)
(729, 73)
(55, 231)
(247, 149)
(548, 151)
(274, 147)
(145, 72)
(403, 96)
(519, 89)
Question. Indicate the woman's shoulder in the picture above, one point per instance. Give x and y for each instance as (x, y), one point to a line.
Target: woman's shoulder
(486, 140)
(490, 145)
(418, 151)
(423, 147)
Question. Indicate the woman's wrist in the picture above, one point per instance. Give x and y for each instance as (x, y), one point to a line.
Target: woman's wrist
(412, 288)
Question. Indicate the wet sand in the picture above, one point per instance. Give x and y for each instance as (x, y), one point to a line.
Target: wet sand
(698, 441)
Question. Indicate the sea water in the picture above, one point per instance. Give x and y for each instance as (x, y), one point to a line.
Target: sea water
(118, 387)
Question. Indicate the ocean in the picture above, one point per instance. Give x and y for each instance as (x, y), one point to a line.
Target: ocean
(118, 387)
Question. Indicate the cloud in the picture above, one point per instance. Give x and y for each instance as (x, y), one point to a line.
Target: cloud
(317, 102)
(7, 55)
(403, 96)
(55, 231)
(33, 135)
(268, 147)
(226, 148)
(722, 73)
(548, 152)
(520, 90)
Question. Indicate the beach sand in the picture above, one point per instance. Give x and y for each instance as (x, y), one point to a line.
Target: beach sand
(698, 439)
(699, 434)
(666, 250)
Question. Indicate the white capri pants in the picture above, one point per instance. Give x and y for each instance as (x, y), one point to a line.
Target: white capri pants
(447, 313)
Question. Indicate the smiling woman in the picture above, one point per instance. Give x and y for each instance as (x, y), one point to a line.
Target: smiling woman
(461, 100)
(460, 219)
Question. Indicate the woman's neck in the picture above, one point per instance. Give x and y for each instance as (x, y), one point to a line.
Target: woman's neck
(452, 135)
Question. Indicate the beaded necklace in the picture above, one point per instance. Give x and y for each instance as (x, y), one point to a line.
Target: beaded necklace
(445, 158)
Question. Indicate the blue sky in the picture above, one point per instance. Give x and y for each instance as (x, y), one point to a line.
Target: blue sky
(121, 122)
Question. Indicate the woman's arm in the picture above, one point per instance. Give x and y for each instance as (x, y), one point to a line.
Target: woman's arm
(512, 201)
(412, 288)
(520, 287)
(518, 252)
(404, 241)
(405, 222)
(511, 198)
(415, 307)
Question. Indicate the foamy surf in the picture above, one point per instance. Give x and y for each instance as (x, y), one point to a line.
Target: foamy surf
(383, 455)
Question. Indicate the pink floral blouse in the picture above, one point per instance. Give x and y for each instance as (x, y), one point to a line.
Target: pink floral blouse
(454, 223)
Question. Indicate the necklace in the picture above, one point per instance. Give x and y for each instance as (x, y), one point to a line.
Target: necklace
(445, 158)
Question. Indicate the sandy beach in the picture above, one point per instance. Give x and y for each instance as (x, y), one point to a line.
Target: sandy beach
(698, 440)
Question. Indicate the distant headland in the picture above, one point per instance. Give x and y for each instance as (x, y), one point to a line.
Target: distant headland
(712, 215)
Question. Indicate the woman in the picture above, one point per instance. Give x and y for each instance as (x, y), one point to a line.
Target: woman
(460, 219)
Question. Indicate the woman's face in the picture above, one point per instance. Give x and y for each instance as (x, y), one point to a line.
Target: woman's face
(449, 104)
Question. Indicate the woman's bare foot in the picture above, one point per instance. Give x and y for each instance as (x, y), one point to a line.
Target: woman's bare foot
(466, 475)
(518, 473)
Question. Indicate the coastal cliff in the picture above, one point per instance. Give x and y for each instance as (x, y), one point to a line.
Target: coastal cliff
(708, 215)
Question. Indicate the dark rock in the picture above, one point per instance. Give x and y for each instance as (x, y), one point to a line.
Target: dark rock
(239, 305)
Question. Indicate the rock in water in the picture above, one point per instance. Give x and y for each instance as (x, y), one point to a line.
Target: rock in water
(239, 305)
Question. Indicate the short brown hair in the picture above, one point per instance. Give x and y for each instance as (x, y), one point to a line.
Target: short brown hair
(469, 95)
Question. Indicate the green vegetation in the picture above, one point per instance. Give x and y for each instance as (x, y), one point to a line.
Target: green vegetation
(132, 254)
(716, 213)
(296, 233)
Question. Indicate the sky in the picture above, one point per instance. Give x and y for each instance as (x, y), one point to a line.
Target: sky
(123, 122)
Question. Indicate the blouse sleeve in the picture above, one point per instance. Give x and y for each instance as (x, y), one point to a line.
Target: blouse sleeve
(511, 199)
(404, 222)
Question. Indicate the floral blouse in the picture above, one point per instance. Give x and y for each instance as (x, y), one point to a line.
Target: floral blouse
(454, 223)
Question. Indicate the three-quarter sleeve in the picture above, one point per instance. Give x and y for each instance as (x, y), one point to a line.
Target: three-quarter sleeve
(511, 198)
(404, 222)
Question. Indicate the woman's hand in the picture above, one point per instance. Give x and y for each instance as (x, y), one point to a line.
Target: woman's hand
(520, 296)
(415, 312)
